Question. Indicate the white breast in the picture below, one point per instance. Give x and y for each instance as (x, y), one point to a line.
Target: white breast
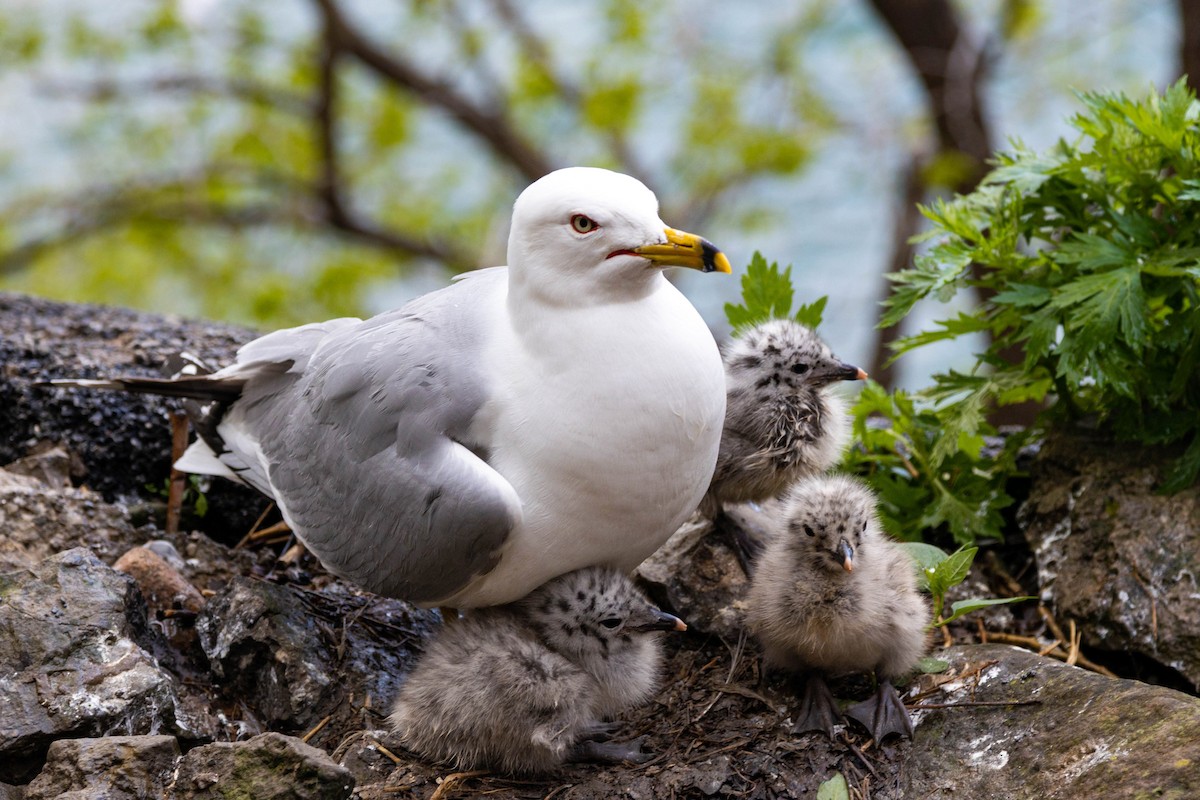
(609, 436)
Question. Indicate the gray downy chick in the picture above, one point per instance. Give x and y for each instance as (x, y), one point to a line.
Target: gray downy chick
(783, 422)
(525, 687)
(833, 595)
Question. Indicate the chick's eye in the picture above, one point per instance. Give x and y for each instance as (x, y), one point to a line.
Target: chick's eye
(612, 623)
(809, 531)
(582, 224)
(799, 369)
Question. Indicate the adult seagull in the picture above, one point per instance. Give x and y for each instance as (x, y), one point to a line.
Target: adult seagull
(526, 421)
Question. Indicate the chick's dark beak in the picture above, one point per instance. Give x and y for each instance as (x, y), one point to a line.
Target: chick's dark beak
(849, 372)
(655, 620)
(847, 553)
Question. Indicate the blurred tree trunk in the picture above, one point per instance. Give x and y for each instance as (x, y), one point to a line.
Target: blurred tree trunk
(950, 64)
(1189, 44)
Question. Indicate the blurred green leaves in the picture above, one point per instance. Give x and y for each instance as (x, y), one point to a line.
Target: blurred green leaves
(208, 147)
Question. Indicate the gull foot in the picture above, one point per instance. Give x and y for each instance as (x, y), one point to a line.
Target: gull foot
(818, 710)
(883, 714)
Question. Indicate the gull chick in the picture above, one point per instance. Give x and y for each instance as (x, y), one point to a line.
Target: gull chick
(783, 422)
(525, 687)
(833, 595)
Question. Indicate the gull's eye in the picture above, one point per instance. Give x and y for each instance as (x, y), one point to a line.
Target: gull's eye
(612, 623)
(799, 369)
(809, 531)
(582, 224)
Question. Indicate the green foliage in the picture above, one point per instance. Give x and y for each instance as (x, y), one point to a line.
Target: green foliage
(926, 479)
(767, 294)
(835, 788)
(1087, 257)
(194, 497)
(939, 572)
(196, 150)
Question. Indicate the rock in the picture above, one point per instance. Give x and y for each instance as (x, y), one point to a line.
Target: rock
(276, 647)
(38, 522)
(1087, 736)
(362, 754)
(115, 768)
(1112, 553)
(51, 465)
(697, 577)
(123, 441)
(268, 767)
(72, 661)
(260, 639)
(161, 584)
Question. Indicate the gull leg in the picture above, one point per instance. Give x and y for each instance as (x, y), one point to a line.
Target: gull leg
(601, 731)
(818, 710)
(610, 752)
(883, 714)
(745, 546)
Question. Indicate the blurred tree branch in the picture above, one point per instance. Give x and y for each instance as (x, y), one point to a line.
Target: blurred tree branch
(488, 123)
(950, 63)
(102, 90)
(308, 132)
(1189, 42)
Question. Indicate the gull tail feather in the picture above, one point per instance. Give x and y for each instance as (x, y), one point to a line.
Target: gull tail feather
(196, 387)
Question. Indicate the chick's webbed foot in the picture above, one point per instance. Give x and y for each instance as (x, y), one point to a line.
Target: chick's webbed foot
(818, 710)
(883, 714)
(611, 752)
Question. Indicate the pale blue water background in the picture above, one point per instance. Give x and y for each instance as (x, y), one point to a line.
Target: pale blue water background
(833, 222)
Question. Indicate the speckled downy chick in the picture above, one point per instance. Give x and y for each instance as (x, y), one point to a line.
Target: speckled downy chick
(834, 595)
(783, 421)
(525, 687)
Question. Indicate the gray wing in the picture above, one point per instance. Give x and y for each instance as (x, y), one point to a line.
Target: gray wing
(367, 449)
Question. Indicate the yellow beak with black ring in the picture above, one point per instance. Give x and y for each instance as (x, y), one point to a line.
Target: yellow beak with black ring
(685, 250)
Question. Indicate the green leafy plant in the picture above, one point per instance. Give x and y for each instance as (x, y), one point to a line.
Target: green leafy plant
(1087, 260)
(193, 493)
(939, 572)
(926, 479)
(767, 294)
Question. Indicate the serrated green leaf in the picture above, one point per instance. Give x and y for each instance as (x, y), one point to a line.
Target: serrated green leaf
(812, 313)
(766, 294)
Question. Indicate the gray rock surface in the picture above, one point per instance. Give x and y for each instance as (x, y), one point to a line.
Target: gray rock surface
(276, 647)
(1086, 736)
(113, 767)
(122, 442)
(268, 767)
(72, 661)
(37, 521)
(696, 576)
(1112, 553)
